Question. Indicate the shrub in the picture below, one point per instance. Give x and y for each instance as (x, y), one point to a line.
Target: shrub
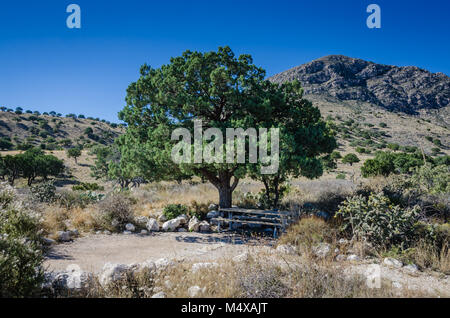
(115, 211)
(432, 179)
(376, 219)
(350, 158)
(171, 211)
(383, 125)
(340, 176)
(44, 192)
(393, 146)
(21, 271)
(86, 186)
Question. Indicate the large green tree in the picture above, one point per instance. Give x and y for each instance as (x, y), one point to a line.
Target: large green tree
(223, 91)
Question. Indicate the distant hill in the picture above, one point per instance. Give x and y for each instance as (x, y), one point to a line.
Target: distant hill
(54, 132)
(410, 90)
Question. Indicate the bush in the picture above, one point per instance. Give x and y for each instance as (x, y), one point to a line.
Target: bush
(115, 211)
(44, 192)
(86, 186)
(171, 211)
(21, 271)
(71, 199)
(432, 179)
(379, 221)
(340, 176)
(350, 158)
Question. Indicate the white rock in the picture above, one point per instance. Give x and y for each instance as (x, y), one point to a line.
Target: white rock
(162, 218)
(353, 258)
(163, 263)
(48, 241)
(112, 272)
(194, 291)
(141, 220)
(127, 232)
(412, 268)
(63, 236)
(341, 258)
(183, 219)
(212, 214)
(241, 257)
(152, 225)
(106, 232)
(204, 226)
(77, 278)
(98, 232)
(144, 232)
(198, 266)
(159, 295)
(115, 223)
(194, 224)
(130, 227)
(397, 284)
(171, 225)
(389, 261)
(212, 207)
(147, 265)
(286, 249)
(322, 250)
(343, 241)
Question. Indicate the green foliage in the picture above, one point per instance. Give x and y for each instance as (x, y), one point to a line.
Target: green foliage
(44, 192)
(74, 153)
(171, 211)
(335, 155)
(432, 179)
(340, 176)
(86, 186)
(383, 125)
(21, 270)
(393, 146)
(386, 163)
(376, 219)
(350, 158)
(5, 144)
(225, 92)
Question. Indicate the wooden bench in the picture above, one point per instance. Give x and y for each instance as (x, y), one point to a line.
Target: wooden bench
(279, 220)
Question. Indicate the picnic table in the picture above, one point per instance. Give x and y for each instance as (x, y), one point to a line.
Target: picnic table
(278, 220)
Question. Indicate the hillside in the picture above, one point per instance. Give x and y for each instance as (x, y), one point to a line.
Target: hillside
(409, 90)
(54, 132)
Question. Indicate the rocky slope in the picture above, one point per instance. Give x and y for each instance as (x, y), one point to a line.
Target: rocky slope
(404, 89)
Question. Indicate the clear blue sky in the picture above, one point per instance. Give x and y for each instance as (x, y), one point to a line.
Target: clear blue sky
(46, 66)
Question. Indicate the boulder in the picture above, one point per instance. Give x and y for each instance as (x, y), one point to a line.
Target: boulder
(76, 278)
(184, 219)
(389, 261)
(212, 214)
(112, 273)
(74, 233)
(212, 207)
(106, 232)
(194, 224)
(130, 227)
(195, 291)
(63, 236)
(152, 225)
(159, 295)
(412, 268)
(141, 220)
(127, 232)
(162, 218)
(286, 249)
(204, 226)
(48, 241)
(322, 250)
(144, 232)
(171, 225)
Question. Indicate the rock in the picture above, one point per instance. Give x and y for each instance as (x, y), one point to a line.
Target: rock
(182, 229)
(286, 249)
(353, 258)
(115, 223)
(63, 236)
(144, 232)
(130, 227)
(112, 272)
(389, 261)
(127, 232)
(194, 224)
(183, 219)
(343, 241)
(198, 266)
(98, 232)
(148, 265)
(48, 241)
(171, 225)
(163, 263)
(141, 220)
(152, 225)
(74, 233)
(397, 284)
(162, 218)
(241, 257)
(412, 268)
(204, 227)
(106, 232)
(212, 214)
(76, 278)
(322, 250)
(341, 258)
(194, 291)
(159, 295)
(212, 207)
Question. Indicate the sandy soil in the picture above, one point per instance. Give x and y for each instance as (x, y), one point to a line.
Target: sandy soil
(92, 252)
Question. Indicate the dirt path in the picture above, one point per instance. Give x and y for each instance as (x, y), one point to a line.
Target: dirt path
(92, 252)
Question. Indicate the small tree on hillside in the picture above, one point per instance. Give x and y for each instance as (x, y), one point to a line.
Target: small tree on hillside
(74, 153)
(350, 158)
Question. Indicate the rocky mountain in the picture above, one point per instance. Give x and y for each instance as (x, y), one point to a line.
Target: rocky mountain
(404, 89)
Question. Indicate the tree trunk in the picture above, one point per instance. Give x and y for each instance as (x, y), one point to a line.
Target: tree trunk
(222, 183)
(225, 196)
